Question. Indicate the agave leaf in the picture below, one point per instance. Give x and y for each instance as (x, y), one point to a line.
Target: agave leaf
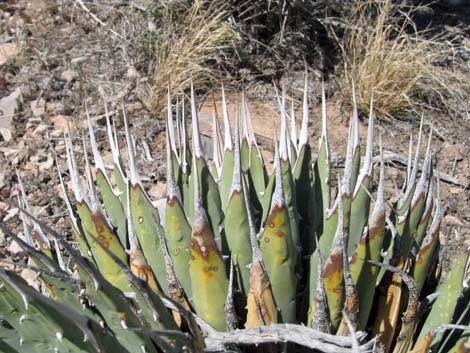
(10, 340)
(261, 308)
(360, 203)
(257, 174)
(175, 290)
(144, 219)
(217, 146)
(324, 245)
(322, 173)
(277, 249)
(422, 228)
(245, 145)
(150, 307)
(137, 262)
(237, 228)
(112, 304)
(53, 324)
(293, 130)
(209, 189)
(267, 197)
(398, 249)
(177, 231)
(76, 229)
(428, 247)
(113, 206)
(56, 283)
(369, 248)
(443, 308)
(418, 204)
(303, 180)
(386, 321)
(186, 155)
(173, 156)
(288, 185)
(98, 230)
(260, 302)
(318, 314)
(206, 267)
(356, 143)
(257, 170)
(118, 171)
(225, 181)
(291, 204)
(405, 337)
(333, 279)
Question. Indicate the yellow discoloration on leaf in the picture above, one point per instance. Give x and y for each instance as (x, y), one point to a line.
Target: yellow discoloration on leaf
(389, 311)
(279, 257)
(142, 270)
(334, 286)
(260, 302)
(208, 277)
(97, 229)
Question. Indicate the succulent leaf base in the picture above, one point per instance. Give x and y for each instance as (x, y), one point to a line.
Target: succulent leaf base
(240, 260)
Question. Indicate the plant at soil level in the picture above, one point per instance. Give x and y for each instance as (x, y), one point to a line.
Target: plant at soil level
(238, 248)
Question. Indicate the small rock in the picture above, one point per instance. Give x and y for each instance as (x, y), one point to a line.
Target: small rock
(38, 107)
(68, 75)
(8, 106)
(2, 238)
(7, 50)
(60, 122)
(40, 129)
(14, 248)
(30, 277)
(11, 213)
(157, 191)
(452, 220)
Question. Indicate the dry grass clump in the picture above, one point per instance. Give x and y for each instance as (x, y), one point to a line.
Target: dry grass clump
(190, 46)
(385, 55)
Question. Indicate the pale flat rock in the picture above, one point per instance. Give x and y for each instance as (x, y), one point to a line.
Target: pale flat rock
(38, 107)
(7, 51)
(8, 106)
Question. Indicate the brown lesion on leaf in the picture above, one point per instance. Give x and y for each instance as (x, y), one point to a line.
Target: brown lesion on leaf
(50, 289)
(202, 240)
(376, 226)
(103, 241)
(271, 221)
(334, 263)
(102, 228)
(141, 269)
(260, 302)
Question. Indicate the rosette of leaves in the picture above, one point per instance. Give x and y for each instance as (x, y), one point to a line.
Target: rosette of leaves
(240, 258)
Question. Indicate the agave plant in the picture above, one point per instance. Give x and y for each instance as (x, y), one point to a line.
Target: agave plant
(239, 258)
